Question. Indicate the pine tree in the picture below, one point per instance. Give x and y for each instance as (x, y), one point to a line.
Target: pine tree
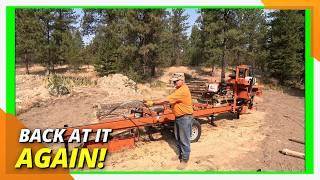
(220, 33)
(62, 26)
(91, 20)
(139, 51)
(107, 40)
(195, 50)
(165, 46)
(178, 38)
(74, 49)
(286, 61)
(46, 18)
(28, 37)
(252, 45)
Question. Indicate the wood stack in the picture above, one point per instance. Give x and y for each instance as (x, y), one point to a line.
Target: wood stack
(197, 88)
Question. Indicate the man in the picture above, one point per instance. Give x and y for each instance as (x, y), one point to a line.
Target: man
(181, 102)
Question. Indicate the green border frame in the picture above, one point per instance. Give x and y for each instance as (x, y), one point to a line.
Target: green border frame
(309, 91)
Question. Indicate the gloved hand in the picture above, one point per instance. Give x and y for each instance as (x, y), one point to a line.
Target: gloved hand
(148, 103)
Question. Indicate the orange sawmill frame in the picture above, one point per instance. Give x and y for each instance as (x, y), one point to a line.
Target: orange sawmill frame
(200, 110)
(240, 88)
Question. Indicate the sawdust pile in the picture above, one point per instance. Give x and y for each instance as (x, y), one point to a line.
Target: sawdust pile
(30, 91)
(118, 84)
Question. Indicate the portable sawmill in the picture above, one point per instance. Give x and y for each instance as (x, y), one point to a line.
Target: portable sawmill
(235, 96)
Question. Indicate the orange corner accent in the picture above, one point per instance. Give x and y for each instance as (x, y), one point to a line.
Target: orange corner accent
(314, 6)
(315, 26)
(11, 149)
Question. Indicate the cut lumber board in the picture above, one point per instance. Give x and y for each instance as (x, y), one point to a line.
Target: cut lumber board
(292, 153)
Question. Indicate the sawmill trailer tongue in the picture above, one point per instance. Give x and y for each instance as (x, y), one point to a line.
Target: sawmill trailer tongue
(235, 96)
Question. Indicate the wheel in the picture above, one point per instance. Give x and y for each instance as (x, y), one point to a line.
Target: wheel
(153, 134)
(236, 115)
(212, 120)
(195, 131)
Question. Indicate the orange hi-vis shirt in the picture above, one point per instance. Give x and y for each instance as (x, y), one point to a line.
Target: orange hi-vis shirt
(181, 101)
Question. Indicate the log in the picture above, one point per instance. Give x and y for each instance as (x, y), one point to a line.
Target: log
(196, 94)
(296, 140)
(198, 87)
(196, 91)
(194, 81)
(292, 153)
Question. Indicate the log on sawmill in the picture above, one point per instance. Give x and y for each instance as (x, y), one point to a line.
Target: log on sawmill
(292, 153)
(198, 81)
(122, 105)
(197, 91)
(196, 84)
(196, 94)
(197, 87)
(105, 111)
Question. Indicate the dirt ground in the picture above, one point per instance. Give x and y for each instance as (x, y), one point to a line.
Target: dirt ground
(249, 144)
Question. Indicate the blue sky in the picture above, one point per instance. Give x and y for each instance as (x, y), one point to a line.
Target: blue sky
(193, 15)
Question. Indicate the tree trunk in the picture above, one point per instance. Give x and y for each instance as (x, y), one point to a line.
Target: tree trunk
(26, 62)
(49, 50)
(223, 63)
(262, 68)
(173, 60)
(153, 70)
(52, 64)
(145, 66)
(212, 70)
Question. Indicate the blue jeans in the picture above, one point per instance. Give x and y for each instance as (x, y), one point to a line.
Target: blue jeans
(182, 131)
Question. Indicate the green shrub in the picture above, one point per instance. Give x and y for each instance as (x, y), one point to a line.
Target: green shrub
(58, 85)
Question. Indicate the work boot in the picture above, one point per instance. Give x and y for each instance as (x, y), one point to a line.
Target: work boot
(183, 165)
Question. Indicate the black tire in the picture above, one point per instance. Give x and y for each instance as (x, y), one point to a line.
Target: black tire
(195, 131)
(151, 134)
(236, 115)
